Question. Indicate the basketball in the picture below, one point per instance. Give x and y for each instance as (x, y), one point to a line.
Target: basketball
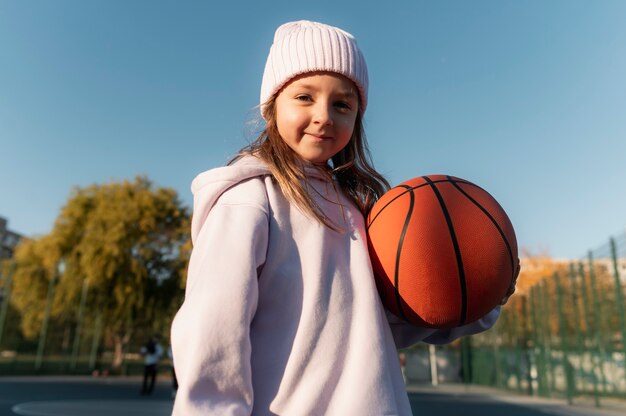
(443, 251)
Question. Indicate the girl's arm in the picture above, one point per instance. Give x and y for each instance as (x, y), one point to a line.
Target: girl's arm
(211, 331)
(405, 334)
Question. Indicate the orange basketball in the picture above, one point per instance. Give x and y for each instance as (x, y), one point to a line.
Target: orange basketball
(443, 251)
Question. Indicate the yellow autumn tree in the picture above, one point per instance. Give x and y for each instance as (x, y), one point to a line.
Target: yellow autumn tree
(128, 242)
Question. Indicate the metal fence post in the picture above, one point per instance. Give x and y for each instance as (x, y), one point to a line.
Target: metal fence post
(44, 325)
(577, 321)
(563, 335)
(546, 332)
(589, 325)
(465, 360)
(527, 345)
(79, 323)
(432, 359)
(619, 297)
(537, 311)
(599, 354)
(552, 334)
(496, 356)
(516, 343)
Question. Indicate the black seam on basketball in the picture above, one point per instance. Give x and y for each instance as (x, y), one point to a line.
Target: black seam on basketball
(457, 250)
(495, 223)
(408, 188)
(396, 276)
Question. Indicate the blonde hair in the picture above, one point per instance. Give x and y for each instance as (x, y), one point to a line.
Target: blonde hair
(351, 168)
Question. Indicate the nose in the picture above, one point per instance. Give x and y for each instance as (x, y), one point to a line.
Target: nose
(322, 114)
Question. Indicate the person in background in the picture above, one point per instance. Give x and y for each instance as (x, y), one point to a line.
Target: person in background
(152, 353)
(174, 380)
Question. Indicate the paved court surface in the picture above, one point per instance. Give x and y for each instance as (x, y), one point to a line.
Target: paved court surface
(87, 396)
(458, 399)
(81, 396)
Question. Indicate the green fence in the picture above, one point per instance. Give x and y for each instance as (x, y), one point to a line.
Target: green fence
(75, 344)
(565, 337)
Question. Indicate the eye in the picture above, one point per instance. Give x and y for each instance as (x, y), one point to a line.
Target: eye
(304, 97)
(343, 105)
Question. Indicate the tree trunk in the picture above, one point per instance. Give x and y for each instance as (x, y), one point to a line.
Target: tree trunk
(120, 340)
(118, 352)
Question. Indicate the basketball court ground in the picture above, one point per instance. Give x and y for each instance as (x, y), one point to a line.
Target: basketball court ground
(87, 396)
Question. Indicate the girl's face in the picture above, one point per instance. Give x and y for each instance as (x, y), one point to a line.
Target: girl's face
(316, 113)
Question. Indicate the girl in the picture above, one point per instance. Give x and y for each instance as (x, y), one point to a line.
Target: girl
(281, 314)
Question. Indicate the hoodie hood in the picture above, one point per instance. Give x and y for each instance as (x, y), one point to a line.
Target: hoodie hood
(208, 186)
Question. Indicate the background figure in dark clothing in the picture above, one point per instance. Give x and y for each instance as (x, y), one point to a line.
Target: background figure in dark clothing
(174, 379)
(152, 353)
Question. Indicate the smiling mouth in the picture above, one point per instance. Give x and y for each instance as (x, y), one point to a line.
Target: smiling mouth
(319, 136)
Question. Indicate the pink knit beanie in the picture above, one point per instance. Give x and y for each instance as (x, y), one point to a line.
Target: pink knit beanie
(304, 46)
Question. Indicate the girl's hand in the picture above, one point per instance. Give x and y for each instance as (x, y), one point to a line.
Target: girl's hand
(512, 287)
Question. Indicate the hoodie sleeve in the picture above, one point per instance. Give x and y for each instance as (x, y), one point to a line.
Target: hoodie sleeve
(211, 331)
(405, 334)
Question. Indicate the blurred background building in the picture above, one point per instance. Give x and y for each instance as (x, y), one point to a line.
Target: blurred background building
(8, 240)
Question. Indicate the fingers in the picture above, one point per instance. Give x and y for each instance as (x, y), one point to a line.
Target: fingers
(507, 296)
(513, 284)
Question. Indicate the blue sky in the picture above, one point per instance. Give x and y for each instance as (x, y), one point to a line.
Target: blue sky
(525, 98)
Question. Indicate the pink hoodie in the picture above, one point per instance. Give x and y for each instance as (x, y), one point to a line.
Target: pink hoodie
(281, 314)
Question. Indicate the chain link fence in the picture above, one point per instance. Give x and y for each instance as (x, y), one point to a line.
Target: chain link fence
(565, 337)
(74, 344)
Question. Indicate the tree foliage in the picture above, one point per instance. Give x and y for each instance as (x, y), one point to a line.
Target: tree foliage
(127, 241)
(562, 303)
(35, 264)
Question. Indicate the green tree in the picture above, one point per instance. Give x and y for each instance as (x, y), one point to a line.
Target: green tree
(127, 241)
(36, 261)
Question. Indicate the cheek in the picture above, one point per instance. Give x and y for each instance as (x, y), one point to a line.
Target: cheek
(288, 122)
(347, 127)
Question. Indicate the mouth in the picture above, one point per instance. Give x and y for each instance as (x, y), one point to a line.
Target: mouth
(319, 136)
